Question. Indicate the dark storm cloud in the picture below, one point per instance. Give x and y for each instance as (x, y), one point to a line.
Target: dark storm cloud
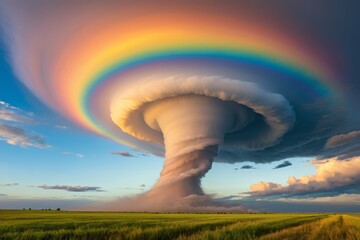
(342, 146)
(315, 124)
(284, 164)
(71, 188)
(342, 139)
(247, 167)
(124, 154)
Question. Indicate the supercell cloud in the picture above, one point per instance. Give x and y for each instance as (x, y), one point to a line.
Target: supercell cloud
(195, 83)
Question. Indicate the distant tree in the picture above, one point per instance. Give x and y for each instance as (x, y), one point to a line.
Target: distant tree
(30, 208)
(23, 208)
(58, 209)
(49, 209)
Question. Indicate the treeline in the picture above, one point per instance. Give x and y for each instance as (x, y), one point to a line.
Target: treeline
(43, 209)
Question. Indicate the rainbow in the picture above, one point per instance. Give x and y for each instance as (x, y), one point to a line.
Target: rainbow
(98, 59)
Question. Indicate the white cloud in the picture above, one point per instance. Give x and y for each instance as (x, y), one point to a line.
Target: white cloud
(10, 131)
(332, 175)
(15, 135)
(12, 114)
(79, 155)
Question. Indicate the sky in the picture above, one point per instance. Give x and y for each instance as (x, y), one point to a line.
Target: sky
(87, 94)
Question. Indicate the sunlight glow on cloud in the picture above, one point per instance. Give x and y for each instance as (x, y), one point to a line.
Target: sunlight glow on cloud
(332, 177)
(10, 131)
(18, 136)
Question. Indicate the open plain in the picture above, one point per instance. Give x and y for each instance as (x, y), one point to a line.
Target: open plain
(37, 224)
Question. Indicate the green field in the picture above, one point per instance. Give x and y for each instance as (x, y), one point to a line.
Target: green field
(32, 224)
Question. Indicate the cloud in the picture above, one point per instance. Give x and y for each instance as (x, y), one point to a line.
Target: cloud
(15, 135)
(9, 185)
(79, 155)
(342, 139)
(124, 154)
(78, 188)
(263, 187)
(342, 146)
(10, 131)
(3, 195)
(247, 167)
(284, 164)
(12, 114)
(333, 177)
(351, 199)
(61, 127)
(142, 185)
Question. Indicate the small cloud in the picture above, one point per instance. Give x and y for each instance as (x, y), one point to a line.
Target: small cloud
(10, 131)
(60, 126)
(9, 185)
(342, 139)
(13, 114)
(247, 167)
(124, 154)
(79, 155)
(236, 169)
(282, 165)
(15, 135)
(78, 188)
(141, 188)
(2, 195)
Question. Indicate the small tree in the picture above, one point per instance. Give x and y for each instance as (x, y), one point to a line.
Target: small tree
(58, 209)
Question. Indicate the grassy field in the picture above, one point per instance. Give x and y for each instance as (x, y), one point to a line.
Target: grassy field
(98, 225)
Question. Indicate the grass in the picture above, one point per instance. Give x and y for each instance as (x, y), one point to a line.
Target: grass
(107, 225)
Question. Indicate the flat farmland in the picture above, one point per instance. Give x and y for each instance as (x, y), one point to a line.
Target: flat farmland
(35, 224)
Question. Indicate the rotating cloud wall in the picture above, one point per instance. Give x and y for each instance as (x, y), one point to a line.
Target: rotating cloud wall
(192, 117)
(159, 79)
